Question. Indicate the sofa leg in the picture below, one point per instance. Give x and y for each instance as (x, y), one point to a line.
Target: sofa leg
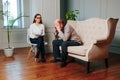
(106, 62)
(88, 67)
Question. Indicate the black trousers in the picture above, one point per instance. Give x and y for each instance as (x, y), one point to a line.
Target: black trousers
(64, 44)
(40, 46)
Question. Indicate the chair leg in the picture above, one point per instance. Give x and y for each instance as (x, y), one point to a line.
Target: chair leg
(106, 62)
(31, 50)
(29, 53)
(88, 67)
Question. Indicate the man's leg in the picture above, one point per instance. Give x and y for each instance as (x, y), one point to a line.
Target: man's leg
(64, 54)
(56, 50)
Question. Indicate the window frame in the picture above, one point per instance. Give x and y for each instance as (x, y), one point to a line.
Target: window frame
(19, 11)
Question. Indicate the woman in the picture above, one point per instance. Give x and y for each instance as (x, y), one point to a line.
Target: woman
(37, 32)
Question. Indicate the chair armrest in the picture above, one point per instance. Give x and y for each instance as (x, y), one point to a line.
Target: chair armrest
(100, 42)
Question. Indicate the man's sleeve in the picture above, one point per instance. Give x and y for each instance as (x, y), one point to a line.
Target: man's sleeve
(66, 35)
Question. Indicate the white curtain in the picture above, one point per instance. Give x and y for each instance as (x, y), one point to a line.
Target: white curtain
(1, 17)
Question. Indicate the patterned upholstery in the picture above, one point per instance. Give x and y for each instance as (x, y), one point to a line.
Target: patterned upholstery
(96, 35)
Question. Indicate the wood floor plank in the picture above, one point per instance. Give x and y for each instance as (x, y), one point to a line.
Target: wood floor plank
(20, 68)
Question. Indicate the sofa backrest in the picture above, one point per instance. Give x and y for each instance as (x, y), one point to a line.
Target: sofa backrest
(91, 29)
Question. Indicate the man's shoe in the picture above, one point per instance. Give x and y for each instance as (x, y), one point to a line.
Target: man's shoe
(58, 58)
(63, 64)
(55, 60)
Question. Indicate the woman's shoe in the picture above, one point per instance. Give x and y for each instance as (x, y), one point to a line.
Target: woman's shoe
(42, 60)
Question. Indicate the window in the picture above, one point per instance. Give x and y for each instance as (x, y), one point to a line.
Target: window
(13, 7)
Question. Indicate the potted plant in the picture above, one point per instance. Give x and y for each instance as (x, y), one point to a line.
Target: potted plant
(10, 24)
(72, 15)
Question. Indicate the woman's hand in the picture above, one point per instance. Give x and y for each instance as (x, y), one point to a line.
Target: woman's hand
(36, 36)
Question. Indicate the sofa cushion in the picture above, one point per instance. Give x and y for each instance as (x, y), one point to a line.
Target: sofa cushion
(78, 50)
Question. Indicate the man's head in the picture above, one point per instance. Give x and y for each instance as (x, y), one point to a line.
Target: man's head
(59, 23)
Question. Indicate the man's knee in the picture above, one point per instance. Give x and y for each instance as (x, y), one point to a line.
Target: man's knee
(54, 42)
(64, 44)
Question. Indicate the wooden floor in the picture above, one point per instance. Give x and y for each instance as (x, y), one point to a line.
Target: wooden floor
(19, 68)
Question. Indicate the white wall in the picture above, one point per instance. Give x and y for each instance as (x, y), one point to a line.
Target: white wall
(101, 9)
(18, 38)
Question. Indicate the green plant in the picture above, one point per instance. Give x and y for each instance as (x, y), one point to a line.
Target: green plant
(10, 26)
(10, 21)
(72, 15)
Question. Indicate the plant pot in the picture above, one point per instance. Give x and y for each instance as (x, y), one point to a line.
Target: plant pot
(8, 52)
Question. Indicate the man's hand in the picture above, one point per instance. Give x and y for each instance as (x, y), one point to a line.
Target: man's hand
(58, 28)
(55, 30)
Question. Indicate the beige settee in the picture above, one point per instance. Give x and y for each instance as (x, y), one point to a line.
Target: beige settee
(96, 35)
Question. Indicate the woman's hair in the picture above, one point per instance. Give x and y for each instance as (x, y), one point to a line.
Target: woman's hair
(36, 16)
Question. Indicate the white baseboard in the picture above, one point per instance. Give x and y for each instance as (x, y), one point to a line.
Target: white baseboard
(115, 49)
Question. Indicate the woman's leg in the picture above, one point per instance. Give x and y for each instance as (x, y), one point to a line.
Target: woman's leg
(40, 46)
(42, 52)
